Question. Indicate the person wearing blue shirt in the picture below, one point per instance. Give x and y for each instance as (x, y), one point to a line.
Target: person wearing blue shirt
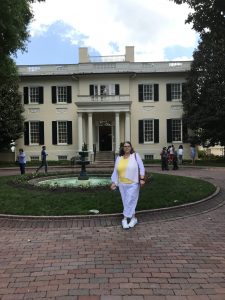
(43, 160)
(22, 161)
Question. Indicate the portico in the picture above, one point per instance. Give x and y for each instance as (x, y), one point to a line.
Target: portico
(103, 128)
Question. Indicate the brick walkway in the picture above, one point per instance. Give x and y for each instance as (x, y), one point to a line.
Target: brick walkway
(169, 255)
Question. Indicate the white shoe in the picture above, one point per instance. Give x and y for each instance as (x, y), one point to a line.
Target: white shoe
(125, 224)
(133, 222)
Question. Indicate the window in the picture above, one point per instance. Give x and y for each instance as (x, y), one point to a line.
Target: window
(62, 157)
(34, 158)
(33, 95)
(61, 94)
(148, 157)
(61, 132)
(148, 131)
(174, 130)
(148, 92)
(104, 90)
(34, 133)
(174, 91)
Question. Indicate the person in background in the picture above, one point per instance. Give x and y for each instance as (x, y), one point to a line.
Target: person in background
(193, 153)
(43, 160)
(164, 159)
(180, 154)
(175, 159)
(22, 161)
(128, 169)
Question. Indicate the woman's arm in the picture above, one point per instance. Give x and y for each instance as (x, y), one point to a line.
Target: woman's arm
(140, 165)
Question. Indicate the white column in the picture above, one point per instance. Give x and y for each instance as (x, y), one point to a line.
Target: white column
(80, 131)
(90, 133)
(127, 126)
(117, 132)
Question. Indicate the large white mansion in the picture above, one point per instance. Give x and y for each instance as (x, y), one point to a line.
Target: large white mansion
(102, 101)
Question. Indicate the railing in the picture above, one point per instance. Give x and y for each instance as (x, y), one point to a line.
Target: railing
(103, 98)
(112, 58)
(105, 67)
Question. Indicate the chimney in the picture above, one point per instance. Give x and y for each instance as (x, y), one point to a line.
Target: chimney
(129, 56)
(83, 55)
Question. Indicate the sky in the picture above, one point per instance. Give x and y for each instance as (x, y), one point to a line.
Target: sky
(156, 29)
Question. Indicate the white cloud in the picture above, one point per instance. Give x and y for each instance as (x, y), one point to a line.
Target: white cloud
(149, 25)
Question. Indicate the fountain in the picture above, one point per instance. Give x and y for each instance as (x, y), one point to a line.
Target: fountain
(83, 162)
(82, 181)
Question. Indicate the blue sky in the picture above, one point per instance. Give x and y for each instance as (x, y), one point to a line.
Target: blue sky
(156, 29)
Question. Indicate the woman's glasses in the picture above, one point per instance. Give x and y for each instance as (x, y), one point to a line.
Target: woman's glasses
(126, 146)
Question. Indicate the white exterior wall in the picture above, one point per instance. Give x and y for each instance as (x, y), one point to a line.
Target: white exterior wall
(80, 77)
(49, 112)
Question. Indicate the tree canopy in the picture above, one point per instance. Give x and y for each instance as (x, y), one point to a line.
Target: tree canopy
(204, 96)
(15, 17)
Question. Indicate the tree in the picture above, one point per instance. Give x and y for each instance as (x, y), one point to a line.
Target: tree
(15, 17)
(204, 96)
(11, 109)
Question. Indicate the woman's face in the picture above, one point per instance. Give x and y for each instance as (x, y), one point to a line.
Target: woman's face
(127, 148)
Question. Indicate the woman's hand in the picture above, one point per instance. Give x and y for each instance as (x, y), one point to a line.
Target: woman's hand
(142, 182)
(113, 186)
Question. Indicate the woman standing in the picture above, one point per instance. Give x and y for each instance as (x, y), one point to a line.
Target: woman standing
(127, 171)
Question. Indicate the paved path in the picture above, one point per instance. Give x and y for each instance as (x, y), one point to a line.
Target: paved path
(167, 256)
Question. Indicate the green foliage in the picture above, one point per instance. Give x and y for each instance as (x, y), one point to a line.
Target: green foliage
(15, 17)
(204, 96)
(11, 119)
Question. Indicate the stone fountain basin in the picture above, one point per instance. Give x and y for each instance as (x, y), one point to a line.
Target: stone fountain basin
(72, 182)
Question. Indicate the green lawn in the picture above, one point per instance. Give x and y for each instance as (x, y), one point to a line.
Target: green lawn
(162, 191)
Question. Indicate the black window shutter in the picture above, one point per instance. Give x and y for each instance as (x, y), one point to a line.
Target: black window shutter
(91, 87)
(117, 89)
(156, 92)
(169, 130)
(53, 94)
(156, 131)
(41, 133)
(140, 92)
(41, 95)
(25, 95)
(183, 89)
(168, 92)
(26, 133)
(69, 132)
(54, 132)
(184, 132)
(141, 131)
(69, 94)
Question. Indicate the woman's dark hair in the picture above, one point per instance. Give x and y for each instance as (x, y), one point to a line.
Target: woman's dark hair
(121, 153)
(181, 147)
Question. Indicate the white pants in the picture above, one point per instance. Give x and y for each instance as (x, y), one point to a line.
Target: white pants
(129, 194)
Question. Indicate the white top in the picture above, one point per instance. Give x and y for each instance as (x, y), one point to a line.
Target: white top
(133, 164)
(180, 151)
